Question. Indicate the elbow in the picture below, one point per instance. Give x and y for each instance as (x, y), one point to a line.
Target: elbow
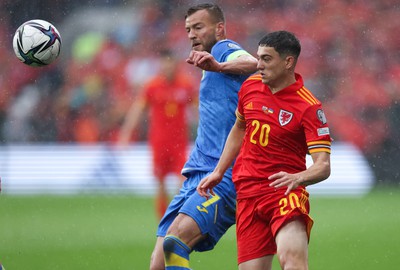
(327, 174)
(326, 171)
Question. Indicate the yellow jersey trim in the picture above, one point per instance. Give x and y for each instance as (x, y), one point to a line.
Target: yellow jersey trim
(307, 96)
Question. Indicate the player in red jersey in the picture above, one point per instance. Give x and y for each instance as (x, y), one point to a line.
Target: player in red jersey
(278, 122)
(167, 96)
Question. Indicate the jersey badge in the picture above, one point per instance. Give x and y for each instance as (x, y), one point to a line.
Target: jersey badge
(285, 117)
(233, 46)
(321, 116)
(267, 110)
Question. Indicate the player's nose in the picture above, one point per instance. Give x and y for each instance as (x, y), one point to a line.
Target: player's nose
(260, 66)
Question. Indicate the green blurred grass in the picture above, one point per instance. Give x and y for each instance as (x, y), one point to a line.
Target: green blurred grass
(117, 232)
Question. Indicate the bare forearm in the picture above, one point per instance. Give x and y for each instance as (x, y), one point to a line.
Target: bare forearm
(319, 171)
(132, 119)
(231, 149)
(314, 175)
(245, 64)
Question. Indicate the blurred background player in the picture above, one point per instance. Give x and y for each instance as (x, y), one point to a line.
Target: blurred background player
(168, 97)
(278, 122)
(191, 222)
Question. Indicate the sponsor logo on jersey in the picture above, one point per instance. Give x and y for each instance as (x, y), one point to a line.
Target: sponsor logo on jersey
(323, 131)
(202, 209)
(321, 116)
(249, 106)
(285, 117)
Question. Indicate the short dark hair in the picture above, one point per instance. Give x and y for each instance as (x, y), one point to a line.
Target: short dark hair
(213, 9)
(284, 42)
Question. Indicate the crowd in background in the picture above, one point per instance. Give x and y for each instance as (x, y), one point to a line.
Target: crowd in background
(350, 59)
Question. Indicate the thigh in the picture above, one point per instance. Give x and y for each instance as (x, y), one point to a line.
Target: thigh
(213, 216)
(190, 213)
(186, 229)
(294, 206)
(254, 236)
(292, 235)
(292, 245)
(263, 263)
(175, 206)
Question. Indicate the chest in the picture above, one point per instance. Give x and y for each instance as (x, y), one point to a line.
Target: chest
(279, 113)
(169, 93)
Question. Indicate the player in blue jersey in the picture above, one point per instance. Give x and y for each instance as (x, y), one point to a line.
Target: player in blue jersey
(190, 222)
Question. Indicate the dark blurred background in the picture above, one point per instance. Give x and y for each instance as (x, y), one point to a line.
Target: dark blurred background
(350, 60)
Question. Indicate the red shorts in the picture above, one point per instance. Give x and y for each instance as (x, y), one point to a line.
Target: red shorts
(168, 160)
(258, 219)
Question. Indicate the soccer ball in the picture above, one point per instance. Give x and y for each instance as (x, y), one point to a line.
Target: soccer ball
(37, 43)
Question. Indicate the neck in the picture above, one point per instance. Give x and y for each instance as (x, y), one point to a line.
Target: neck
(220, 37)
(281, 84)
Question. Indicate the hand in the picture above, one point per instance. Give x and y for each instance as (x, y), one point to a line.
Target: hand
(204, 60)
(122, 143)
(282, 179)
(206, 185)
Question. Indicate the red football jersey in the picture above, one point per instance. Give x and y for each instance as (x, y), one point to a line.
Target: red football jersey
(167, 102)
(281, 129)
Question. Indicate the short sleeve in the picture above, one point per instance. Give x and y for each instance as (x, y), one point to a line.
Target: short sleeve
(316, 130)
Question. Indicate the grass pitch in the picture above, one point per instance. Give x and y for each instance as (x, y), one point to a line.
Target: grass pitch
(117, 232)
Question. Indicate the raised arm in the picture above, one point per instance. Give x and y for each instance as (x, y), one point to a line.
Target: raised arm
(243, 64)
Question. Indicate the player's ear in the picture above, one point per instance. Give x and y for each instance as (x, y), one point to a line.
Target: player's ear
(220, 29)
(290, 62)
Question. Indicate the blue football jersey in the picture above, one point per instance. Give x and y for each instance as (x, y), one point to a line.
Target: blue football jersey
(218, 97)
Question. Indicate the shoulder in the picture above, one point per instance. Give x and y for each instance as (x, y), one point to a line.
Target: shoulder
(253, 80)
(153, 85)
(307, 97)
(251, 84)
(154, 81)
(302, 93)
(184, 79)
(228, 44)
(308, 106)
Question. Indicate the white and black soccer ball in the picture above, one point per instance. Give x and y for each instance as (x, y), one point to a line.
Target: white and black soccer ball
(37, 43)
